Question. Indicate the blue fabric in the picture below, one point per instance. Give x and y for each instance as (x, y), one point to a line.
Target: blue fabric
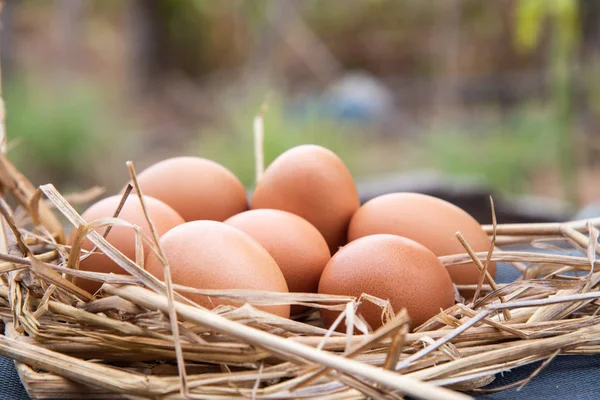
(506, 274)
(10, 383)
(567, 377)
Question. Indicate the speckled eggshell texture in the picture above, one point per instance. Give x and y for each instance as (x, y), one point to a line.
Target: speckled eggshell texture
(214, 255)
(312, 182)
(392, 268)
(296, 245)
(123, 238)
(197, 188)
(428, 220)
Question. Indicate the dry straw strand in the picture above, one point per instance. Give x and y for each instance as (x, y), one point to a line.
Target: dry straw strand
(139, 338)
(463, 347)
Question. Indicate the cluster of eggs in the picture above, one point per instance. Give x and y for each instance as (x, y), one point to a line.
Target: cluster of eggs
(303, 231)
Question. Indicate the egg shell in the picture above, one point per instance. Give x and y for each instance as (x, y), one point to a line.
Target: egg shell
(312, 182)
(392, 268)
(197, 188)
(213, 255)
(428, 220)
(296, 245)
(123, 238)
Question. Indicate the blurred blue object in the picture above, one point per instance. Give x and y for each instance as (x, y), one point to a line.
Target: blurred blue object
(357, 97)
(592, 210)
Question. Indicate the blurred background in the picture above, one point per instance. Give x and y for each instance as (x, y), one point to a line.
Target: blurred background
(499, 95)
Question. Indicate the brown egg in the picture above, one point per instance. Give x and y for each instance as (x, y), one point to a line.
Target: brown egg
(296, 245)
(196, 188)
(392, 268)
(123, 238)
(312, 182)
(428, 220)
(213, 255)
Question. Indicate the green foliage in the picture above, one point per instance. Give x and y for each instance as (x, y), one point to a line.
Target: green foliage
(282, 132)
(530, 15)
(504, 156)
(564, 40)
(54, 133)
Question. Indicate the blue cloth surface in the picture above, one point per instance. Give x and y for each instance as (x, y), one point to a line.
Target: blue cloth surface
(567, 377)
(10, 383)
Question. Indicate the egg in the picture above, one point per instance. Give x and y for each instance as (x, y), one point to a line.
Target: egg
(297, 246)
(198, 189)
(213, 255)
(428, 220)
(312, 182)
(392, 268)
(123, 238)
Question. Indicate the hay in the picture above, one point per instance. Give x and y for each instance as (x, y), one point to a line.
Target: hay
(138, 338)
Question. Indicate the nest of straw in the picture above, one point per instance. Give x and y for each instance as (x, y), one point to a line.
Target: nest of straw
(139, 338)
